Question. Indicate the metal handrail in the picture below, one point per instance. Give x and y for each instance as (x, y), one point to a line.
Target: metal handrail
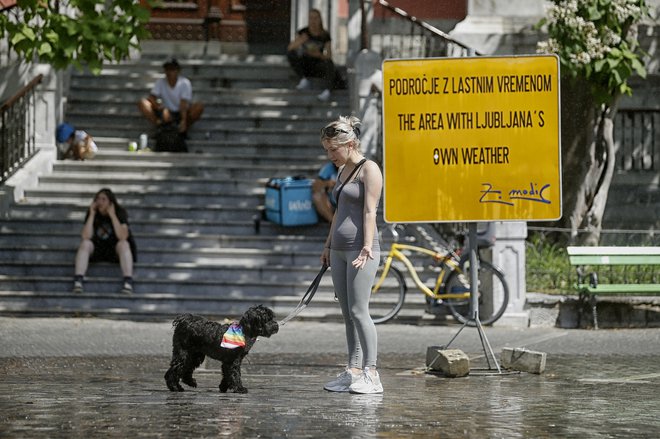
(440, 34)
(423, 39)
(18, 129)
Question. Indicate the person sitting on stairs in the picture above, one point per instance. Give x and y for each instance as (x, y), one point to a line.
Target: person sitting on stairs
(107, 237)
(310, 55)
(75, 144)
(170, 99)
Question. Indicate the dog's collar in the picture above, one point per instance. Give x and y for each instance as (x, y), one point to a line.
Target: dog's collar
(233, 338)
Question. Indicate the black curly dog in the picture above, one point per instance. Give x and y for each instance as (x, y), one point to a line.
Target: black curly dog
(195, 337)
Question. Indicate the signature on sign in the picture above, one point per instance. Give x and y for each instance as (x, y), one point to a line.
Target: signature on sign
(491, 194)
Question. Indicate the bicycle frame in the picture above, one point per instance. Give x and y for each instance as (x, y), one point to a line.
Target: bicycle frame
(396, 252)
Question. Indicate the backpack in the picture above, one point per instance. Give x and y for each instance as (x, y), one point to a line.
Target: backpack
(169, 139)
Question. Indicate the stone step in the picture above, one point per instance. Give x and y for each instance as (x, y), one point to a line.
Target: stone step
(225, 152)
(203, 131)
(45, 210)
(181, 185)
(138, 70)
(127, 169)
(228, 159)
(156, 306)
(174, 242)
(323, 307)
(184, 287)
(210, 120)
(244, 257)
(302, 99)
(81, 106)
(164, 226)
(174, 271)
(165, 197)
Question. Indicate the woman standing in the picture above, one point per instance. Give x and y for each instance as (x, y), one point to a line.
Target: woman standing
(353, 252)
(106, 237)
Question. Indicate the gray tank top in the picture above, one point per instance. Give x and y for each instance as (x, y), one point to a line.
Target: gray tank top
(348, 233)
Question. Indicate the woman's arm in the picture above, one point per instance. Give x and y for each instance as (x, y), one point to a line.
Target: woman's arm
(298, 41)
(88, 228)
(327, 51)
(325, 255)
(121, 229)
(373, 185)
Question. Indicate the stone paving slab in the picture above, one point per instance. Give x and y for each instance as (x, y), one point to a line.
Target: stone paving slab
(75, 378)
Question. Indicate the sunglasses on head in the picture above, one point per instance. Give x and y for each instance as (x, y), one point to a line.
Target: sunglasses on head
(331, 132)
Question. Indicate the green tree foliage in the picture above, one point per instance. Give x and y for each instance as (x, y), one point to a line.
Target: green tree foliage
(75, 32)
(597, 40)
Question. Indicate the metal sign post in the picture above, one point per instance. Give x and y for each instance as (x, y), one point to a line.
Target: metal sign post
(474, 301)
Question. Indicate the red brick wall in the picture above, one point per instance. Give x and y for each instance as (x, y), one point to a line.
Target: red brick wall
(432, 10)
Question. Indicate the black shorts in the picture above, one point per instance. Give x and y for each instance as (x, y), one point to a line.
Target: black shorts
(176, 115)
(104, 252)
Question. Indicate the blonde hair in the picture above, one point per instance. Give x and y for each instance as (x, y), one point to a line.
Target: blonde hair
(349, 127)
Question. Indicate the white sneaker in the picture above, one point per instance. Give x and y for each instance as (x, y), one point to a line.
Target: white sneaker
(77, 287)
(367, 383)
(304, 84)
(342, 382)
(324, 96)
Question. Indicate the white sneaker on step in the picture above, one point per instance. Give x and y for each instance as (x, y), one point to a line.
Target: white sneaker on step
(304, 84)
(324, 96)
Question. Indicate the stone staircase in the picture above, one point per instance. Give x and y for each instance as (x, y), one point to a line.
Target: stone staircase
(193, 215)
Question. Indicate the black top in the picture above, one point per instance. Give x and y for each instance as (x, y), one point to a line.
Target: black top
(103, 233)
(317, 41)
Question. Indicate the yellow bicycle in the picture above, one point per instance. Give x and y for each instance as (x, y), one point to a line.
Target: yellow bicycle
(451, 285)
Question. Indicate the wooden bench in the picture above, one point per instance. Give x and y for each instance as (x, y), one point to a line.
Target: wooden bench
(640, 277)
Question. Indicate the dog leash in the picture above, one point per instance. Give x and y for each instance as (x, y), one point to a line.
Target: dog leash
(307, 297)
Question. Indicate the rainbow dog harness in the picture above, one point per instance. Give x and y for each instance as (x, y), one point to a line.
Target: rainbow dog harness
(233, 337)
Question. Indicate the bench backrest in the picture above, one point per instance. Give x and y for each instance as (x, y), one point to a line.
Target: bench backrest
(614, 255)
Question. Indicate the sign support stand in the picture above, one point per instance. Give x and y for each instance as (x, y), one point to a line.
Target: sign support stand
(474, 302)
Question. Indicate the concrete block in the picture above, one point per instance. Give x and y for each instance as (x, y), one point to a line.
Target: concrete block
(451, 362)
(523, 360)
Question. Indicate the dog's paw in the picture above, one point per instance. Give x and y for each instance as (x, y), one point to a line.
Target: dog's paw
(240, 390)
(190, 382)
(175, 388)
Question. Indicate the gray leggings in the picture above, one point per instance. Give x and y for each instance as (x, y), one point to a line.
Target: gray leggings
(353, 289)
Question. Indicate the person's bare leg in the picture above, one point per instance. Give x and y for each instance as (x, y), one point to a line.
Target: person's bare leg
(125, 258)
(195, 112)
(85, 250)
(147, 109)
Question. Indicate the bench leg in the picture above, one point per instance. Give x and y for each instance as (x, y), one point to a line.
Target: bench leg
(594, 311)
(587, 299)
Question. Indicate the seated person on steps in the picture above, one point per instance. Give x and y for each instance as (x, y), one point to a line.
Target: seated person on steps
(107, 237)
(322, 196)
(73, 143)
(170, 99)
(310, 55)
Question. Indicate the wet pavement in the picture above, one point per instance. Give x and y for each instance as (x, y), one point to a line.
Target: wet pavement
(103, 378)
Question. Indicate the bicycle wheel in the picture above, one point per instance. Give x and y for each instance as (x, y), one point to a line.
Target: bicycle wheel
(386, 302)
(492, 293)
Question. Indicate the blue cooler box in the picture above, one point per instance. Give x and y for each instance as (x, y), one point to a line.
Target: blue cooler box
(289, 202)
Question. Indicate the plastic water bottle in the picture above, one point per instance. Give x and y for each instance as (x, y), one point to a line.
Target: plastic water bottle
(144, 139)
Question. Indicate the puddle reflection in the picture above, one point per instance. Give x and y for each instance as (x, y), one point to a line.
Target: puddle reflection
(127, 397)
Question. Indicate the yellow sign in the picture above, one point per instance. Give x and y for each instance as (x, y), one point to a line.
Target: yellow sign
(472, 139)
